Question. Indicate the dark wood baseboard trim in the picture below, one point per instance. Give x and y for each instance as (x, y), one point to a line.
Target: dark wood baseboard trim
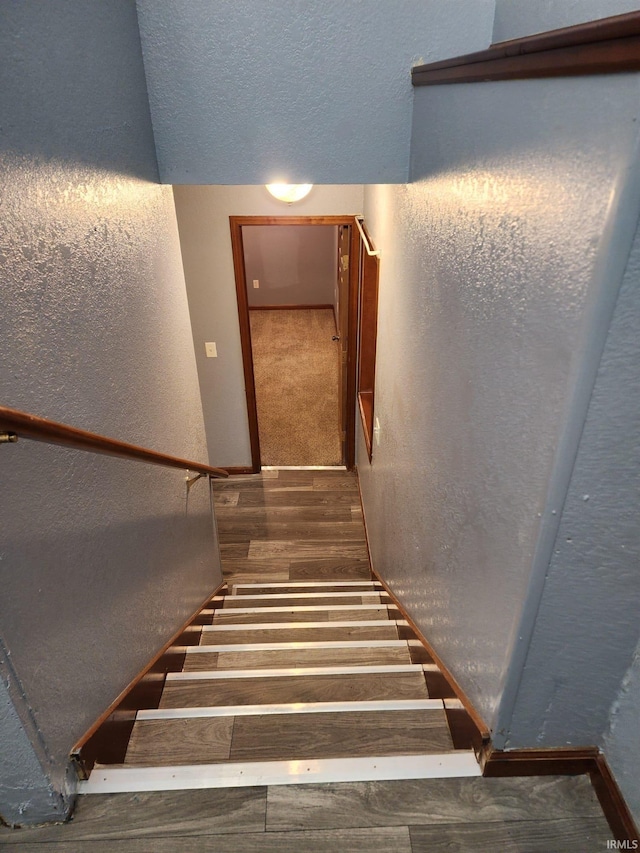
(107, 740)
(290, 307)
(567, 761)
(483, 735)
(608, 46)
(241, 469)
(570, 761)
(613, 804)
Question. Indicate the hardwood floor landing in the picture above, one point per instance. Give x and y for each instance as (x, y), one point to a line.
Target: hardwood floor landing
(553, 814)
(291, 525)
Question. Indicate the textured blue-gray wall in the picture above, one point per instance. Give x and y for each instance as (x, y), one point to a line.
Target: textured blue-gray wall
(517, 18)
(499, 274)
(295, 265)
(251, 92)
(621, 741)
(101, 560)
(587, 626)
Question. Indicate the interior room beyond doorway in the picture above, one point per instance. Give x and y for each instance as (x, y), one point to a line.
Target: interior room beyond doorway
(291, 274)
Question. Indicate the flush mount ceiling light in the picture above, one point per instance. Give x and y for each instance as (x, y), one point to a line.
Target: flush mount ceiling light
(289, 192)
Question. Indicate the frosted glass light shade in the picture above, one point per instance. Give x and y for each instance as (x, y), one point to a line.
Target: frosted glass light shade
(289, 192)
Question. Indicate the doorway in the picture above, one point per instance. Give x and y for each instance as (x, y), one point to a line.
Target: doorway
(298, 346)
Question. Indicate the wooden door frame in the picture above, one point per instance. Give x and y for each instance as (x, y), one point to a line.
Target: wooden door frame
(236, 224)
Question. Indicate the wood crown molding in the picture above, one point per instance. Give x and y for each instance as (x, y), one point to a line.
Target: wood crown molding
(608, 46)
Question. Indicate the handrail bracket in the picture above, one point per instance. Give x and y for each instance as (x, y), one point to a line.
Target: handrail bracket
(8, 437)
(191, 480)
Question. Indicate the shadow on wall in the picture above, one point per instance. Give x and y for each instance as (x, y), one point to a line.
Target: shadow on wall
(45, 75)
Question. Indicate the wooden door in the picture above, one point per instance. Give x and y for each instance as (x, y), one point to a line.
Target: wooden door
(346, 322)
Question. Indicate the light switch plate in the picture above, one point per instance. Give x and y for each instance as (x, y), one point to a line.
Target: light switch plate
(256, 282)
(211, 350)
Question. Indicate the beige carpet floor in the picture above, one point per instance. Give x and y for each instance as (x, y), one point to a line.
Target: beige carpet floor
(296, 373)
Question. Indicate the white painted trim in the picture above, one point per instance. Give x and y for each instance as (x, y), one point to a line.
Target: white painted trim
(280, 584)
(295, 646)
(304, 468)
(286, 672)
(270, 596)
(285, 626)
(106, 780)
(291, 708)
(299, 608)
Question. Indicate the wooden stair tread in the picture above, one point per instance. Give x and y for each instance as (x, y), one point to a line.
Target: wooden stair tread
(322, 586)
(287, 737)
(277, 600)
(326, 688)
(292, 635)
(227, 616)
(294, 658)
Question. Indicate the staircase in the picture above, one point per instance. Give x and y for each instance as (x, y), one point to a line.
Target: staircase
(293, 682)
(302, 670)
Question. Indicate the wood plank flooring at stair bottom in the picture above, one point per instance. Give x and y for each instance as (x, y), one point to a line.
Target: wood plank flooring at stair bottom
(537, 815)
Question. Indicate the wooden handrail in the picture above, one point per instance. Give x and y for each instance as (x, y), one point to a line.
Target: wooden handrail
(24, 425)
(373, 253)
(608, 46)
